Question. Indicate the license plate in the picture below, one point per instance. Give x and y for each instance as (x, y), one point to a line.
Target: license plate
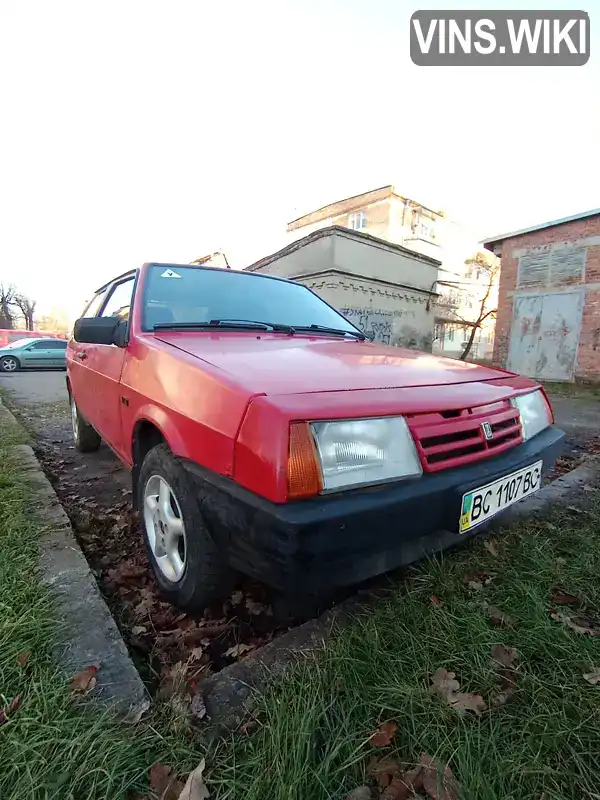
(481, 504)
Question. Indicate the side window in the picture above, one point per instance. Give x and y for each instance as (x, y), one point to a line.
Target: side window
(119, 300)
(41, 345)
(95, 304)
(57, 345)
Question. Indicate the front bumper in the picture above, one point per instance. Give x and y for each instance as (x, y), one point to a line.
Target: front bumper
(328, 542)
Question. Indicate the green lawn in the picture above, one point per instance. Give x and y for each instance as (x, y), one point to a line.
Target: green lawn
(312, 740)
(50, 748)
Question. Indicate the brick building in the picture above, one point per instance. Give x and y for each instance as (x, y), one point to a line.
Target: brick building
(548, 321)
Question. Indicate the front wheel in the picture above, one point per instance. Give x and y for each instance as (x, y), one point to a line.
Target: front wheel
(86, 438)
(189, 569)
(9, 364)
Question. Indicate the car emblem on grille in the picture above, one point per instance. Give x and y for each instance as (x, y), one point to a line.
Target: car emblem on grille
(487, 430)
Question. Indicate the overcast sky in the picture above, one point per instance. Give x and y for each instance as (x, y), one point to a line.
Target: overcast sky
(136, 130)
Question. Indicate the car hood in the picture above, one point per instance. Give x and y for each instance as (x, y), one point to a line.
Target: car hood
(279, 364)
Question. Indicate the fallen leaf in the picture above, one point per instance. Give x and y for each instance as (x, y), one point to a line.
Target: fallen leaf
(9, 709)
(383, 770)
(588, 488)
(254, 607)
(435, 601)
(475, 581)
(137, 630)
(575, 510)
(237, 650)
(498, 617)
(197, 706)
(503, 655)
(84, 681)
(196, 653)
(467, 701)
(593, 677)
(491, 547)
(502, 698)
(562, 598)
(385, 734)
(438, 779)
(403, 787)
(164, 783)
(24, 657)
(443, 684)
(236, 598)
(195, 788)
(577, 622)
(360, 793)
(475, 586)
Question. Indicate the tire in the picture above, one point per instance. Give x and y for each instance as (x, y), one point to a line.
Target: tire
(86, 438)
(9, 364)
(193, 573)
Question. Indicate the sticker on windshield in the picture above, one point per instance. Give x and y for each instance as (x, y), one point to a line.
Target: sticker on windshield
(169, 273)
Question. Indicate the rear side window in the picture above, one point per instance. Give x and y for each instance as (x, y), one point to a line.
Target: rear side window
(56, 345)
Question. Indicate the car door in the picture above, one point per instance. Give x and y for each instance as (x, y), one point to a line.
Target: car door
(104, 364)
(56, 353)
(77, 353)
(34, 355)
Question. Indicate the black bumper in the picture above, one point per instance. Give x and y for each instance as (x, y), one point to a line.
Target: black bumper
(343, 539)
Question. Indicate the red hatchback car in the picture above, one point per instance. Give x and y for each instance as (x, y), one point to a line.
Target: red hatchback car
(266, 434)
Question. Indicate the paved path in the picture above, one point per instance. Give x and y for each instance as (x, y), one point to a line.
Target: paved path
(36, 386)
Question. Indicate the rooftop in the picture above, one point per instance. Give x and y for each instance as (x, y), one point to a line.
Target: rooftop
(348, 233)
(501, 237)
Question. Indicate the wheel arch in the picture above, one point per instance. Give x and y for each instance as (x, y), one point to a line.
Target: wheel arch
(149, 431)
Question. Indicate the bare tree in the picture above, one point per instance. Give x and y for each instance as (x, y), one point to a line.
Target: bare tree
(7, 294)
(461, 293)
(26, 307)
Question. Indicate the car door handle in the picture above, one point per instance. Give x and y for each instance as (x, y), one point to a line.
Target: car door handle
(81, 356)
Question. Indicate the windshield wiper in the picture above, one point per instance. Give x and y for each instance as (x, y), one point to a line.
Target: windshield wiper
(239, 324)
(337, 331)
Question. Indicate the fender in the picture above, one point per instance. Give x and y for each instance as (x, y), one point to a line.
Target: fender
(164, 422)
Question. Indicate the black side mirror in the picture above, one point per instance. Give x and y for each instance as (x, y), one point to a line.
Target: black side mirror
(99, 330)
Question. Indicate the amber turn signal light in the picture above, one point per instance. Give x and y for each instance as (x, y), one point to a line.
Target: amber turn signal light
(303, 474)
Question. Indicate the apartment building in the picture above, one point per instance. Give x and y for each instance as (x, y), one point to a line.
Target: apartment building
(388, 215)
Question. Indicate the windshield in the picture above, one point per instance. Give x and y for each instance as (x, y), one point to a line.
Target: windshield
(190, 295)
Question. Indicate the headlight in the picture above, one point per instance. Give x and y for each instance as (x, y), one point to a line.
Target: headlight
(534, 411)
(356, 452)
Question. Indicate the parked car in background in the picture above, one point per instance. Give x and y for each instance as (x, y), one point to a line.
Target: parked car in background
(10, 335)
(267, 435)
(33, 354)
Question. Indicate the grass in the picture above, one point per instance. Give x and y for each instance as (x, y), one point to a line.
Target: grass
(579, 389)
(313, 739)
(53, 748)
(314, 725)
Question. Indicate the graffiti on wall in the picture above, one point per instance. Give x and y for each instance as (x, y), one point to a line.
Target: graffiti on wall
(396, 327)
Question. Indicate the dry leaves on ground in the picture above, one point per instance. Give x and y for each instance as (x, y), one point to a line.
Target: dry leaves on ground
(445, 686)
(498, 617)
(475, 581)
(430, 776)
(560, 597)
(84, 681)
(593, 677)
(491, 546)
(504, 661)
(577, 622)
(385, 734)
(237, 650)
(164, 784)
(23, 658)
(195, 788)
(9, 708)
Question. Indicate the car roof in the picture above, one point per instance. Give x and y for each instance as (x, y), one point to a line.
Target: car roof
(172, 265)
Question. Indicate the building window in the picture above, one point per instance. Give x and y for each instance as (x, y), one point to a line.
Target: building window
(450, 334)
(357, 221)
(426, 231)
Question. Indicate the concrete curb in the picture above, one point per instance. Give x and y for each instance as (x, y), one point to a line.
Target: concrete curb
(86, 631)
(230, 694)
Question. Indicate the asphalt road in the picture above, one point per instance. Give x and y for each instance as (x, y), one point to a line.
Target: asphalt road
(32, 387)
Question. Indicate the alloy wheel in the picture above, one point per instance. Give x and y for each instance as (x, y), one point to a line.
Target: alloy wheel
(165, 530)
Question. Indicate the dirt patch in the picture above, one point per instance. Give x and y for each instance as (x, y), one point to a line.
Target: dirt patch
(575, 454)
